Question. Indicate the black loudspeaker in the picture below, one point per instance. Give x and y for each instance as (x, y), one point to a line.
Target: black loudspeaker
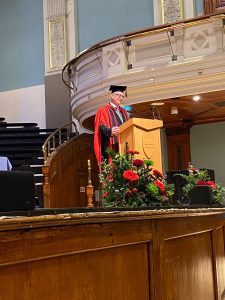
(17, 191)
(171, 178)
(175, 177)
(201, 194)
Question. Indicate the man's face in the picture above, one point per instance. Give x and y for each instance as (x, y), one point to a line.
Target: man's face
(117, 98)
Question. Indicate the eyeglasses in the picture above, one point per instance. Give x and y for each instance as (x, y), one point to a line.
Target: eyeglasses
(120, 95)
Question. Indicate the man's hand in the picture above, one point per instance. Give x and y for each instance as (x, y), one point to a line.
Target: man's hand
(115, 130)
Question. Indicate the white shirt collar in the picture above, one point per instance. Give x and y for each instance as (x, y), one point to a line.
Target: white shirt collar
(113, 105)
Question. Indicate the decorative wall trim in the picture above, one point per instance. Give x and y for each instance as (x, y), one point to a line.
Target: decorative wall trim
(56, 8)
(57, 43)
(60, 33)
(172, 11)
(187, 10)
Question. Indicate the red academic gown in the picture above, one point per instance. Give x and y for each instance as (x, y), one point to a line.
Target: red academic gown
(107, 116)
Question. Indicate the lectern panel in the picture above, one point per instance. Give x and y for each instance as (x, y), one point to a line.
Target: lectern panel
(143, 136)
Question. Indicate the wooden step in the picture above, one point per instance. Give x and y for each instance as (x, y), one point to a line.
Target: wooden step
(18, 149)
(27, 136)
(19, 130)
(19, 144)
(18, 125)
(24, 161)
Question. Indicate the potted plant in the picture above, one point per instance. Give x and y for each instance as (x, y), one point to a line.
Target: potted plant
(130, 182)
(199, 189)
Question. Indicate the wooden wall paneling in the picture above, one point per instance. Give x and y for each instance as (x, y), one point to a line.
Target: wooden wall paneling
(67, 174)
(66, 187)
(219, 239)
(82, 152)
(186, 252)
(53, 182)
(72, 262)
(179, 154)
(46, 186)
(122, 256)
(156, 261)
(52, 241)
(197, 251)
(124, 271)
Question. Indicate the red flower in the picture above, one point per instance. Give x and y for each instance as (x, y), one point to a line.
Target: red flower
(157, 173)
(135, 190)
(105, 194)
(212, 184)
(201, 182)
(137, 162)
(103, 184)
(192, 169)
(130, 175)
(128, 192)
(160, 185)
(132, 152)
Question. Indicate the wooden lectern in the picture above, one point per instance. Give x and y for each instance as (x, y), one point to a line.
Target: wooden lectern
(142, 135)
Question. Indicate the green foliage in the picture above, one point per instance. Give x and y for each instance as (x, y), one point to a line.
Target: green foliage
(130, 182)
(201, 177)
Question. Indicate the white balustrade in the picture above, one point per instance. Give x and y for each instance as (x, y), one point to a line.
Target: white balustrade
(171, 61)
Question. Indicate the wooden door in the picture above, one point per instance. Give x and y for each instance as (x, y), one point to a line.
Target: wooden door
(178, 143)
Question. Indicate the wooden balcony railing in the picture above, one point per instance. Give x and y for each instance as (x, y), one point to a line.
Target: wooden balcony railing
(57, 138)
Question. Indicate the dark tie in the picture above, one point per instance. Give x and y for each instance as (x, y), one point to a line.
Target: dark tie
(119, 114)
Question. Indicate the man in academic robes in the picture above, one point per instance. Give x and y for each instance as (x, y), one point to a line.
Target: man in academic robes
(107, 121)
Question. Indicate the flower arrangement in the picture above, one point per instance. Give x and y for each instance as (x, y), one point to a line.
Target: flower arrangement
(198, 177)
(130, 182)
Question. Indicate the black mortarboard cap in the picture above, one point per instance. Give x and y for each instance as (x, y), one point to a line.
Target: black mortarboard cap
(117, 88)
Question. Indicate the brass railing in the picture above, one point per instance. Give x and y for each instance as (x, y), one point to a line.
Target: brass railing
(57, 138)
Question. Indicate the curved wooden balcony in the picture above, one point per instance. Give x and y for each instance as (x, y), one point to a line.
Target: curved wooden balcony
(167, 64)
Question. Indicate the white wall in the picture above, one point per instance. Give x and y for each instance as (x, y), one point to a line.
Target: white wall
(208, 148)
(24, 105)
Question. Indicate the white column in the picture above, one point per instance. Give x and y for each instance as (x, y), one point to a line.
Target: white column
(188, 9)
(157, 6)
(59, 33)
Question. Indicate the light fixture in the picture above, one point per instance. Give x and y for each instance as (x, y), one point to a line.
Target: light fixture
(174, 110)
(196, 98)
(152, 80)
(157, 103)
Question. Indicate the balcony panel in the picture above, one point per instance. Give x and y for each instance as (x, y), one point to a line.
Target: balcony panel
(114, 60)
(199, 41)
(88, 72)
(167, 62)
(152, 51)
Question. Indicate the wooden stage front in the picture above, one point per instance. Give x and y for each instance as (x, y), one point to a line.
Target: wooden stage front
(176, 254)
